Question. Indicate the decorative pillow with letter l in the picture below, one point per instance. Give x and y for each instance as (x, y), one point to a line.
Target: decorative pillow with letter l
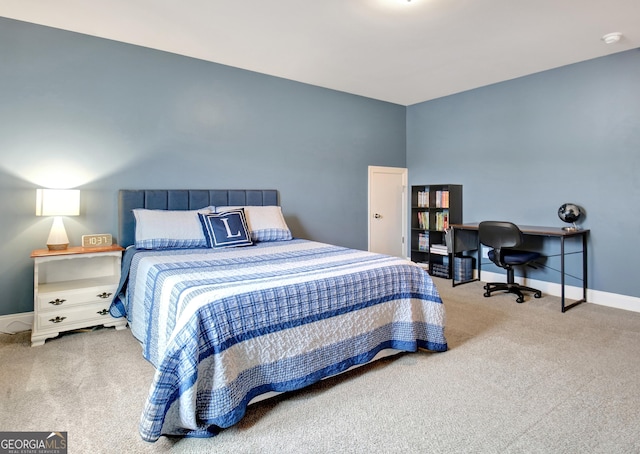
(227, 229)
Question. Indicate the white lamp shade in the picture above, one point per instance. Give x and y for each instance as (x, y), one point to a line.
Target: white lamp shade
(57, 202)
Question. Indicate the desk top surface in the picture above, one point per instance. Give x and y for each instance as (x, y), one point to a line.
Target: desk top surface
(531, 230)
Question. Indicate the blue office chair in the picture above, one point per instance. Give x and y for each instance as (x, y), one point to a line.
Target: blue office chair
(502, 237)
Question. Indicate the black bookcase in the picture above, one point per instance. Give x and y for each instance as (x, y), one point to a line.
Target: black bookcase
(434, 207)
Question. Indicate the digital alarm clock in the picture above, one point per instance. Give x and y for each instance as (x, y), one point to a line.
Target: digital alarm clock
(97, 240)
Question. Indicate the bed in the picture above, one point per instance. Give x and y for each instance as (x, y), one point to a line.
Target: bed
(228, 324)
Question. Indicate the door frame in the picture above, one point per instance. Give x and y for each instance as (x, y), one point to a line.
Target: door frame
(405, 196)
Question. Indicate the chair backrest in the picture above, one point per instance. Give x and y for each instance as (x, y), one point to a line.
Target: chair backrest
(499, 234)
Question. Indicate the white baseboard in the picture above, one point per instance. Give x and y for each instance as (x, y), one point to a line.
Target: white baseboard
(629, 303)
(14, 323)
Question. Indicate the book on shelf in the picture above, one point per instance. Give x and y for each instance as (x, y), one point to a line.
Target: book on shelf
(423, 220)
(423, 242)
(423, 199)
(442, 199)
(441, 269)
(440, 249)
(442, 220)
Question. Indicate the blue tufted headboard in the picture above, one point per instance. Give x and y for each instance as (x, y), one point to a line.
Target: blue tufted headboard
(182, 199)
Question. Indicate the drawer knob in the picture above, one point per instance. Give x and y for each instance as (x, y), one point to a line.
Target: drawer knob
(57, 302)
(58, 319)
(103, 312)
(104, 295)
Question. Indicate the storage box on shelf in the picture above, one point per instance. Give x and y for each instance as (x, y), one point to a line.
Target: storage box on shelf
(73, 289)
(433, 209)
(462, 268)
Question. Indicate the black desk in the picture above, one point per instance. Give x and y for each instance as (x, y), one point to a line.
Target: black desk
(465, 238)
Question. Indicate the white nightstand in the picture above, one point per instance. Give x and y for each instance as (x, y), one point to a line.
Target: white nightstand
(73, 289)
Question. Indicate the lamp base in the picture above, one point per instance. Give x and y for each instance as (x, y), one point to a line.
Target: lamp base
(57, 247)
(58, 239)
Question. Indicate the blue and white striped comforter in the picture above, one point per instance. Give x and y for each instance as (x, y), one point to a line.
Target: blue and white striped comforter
(223, 326)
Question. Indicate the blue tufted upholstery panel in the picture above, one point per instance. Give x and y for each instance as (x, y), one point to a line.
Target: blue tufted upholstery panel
(182, 199)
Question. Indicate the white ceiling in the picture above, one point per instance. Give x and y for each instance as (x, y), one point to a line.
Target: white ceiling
(401, 52)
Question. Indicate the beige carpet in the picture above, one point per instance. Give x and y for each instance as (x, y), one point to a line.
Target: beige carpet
(518, 378)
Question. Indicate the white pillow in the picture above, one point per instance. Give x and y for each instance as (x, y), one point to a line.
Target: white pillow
(161, 229)
(266, 223)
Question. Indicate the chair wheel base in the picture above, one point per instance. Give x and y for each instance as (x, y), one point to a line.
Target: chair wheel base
(507, 287)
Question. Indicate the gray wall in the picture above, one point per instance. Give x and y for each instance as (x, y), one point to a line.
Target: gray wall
(99, 115)
(523, 147)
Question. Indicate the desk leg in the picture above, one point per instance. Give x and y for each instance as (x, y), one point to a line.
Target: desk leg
(453, 259)
(479, 258)
(584, 273)
(562, 274)
(584, 267)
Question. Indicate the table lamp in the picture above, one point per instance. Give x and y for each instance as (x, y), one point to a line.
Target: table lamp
(57, 203)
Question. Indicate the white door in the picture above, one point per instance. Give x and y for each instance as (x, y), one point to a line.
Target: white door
(388, 210)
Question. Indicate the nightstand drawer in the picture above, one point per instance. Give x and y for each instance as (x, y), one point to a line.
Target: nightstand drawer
(48, 301)
(98, 312)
